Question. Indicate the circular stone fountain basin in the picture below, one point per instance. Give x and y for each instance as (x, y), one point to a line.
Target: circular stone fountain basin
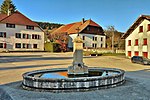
(57, 80)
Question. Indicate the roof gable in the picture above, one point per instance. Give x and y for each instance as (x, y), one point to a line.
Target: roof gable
(72, 28)
(19, 19)
(135, 25)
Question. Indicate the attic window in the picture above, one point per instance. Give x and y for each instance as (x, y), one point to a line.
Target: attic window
(10, 25)
(30, 27)
(148, 27)
(140, 29)
(88, 28)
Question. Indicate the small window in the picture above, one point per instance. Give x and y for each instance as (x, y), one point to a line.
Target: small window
(10, 25)
(83, 37)
(101, 45)
(148, 27)
(83, 44)
(3, 34)
(30, 27)
(34, 45)
(95, 38)
(140, 29)
(25, 45)
(136, 42)
(88, 28)
(129, 42)
(101, 39)
(129, 53)
(18, 35)
(18, 45)
(145, 41)
(1, 45)
(93, 45)
(136, 53)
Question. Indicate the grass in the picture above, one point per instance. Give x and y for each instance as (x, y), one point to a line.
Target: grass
(90, 53)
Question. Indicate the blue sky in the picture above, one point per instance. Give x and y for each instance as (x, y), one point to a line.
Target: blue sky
(119, 13)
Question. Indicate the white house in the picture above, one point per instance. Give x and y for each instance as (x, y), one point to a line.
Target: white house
(91, 33)
(19, 33)
(137, 38)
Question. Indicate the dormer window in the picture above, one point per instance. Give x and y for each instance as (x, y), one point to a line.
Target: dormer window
(30, 27)
(10, 25)
(140, 29)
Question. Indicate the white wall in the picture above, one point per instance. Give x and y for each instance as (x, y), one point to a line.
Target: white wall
(11, 40)
(140, 36)
(88, 40)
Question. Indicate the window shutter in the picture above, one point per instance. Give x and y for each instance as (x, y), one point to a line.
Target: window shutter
(5, 45)
(4, 34)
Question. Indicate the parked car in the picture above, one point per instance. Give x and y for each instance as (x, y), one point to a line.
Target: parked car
(140, 60)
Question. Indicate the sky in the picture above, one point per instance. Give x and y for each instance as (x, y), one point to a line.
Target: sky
(118, 13)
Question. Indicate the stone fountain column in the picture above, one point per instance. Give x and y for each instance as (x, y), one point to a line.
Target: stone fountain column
(78, 68)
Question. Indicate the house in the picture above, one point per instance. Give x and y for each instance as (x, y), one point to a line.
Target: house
(137, 38)
(19, 33)
(92, 34)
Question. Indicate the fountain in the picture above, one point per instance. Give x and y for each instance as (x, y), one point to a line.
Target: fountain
(77, 77)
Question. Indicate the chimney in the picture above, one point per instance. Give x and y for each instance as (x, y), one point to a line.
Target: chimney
(83, 20)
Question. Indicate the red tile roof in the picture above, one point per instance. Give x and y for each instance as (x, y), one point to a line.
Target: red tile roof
(72, 28)
(2, 16)
(17, 18)
(135, 25)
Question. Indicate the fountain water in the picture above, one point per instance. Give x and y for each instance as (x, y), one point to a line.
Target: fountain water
(77, 77)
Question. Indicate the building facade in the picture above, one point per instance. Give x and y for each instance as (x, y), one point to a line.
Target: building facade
(137, 38)
(92, 34)
(19, 33)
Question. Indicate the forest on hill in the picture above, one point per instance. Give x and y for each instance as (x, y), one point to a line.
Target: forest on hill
(47, 25)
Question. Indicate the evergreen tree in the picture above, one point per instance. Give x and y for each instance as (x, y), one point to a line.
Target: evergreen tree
(7, 7)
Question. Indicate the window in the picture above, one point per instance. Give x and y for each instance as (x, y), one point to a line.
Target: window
(3, 34)
(94, 38)
(145, 54)
(18, 45)
(94, 45)
(25, 45)
(145, 41)
(148, 27)
(136, 42)
(129, 53)
(1, 45)
(88, 28)
(34, 45)
(30, 27)
(18, 35)
(34, 36)
(140, 29)
(83, 37)
(101, 45)
(129, 42)
(10, 25)
(101, 39)
(26, 36)
(136, 53)
(83, 44)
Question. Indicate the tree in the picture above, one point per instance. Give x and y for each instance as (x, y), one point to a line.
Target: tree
(7, 7)
(113, 38)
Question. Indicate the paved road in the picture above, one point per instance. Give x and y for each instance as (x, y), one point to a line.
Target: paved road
(13, 65)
